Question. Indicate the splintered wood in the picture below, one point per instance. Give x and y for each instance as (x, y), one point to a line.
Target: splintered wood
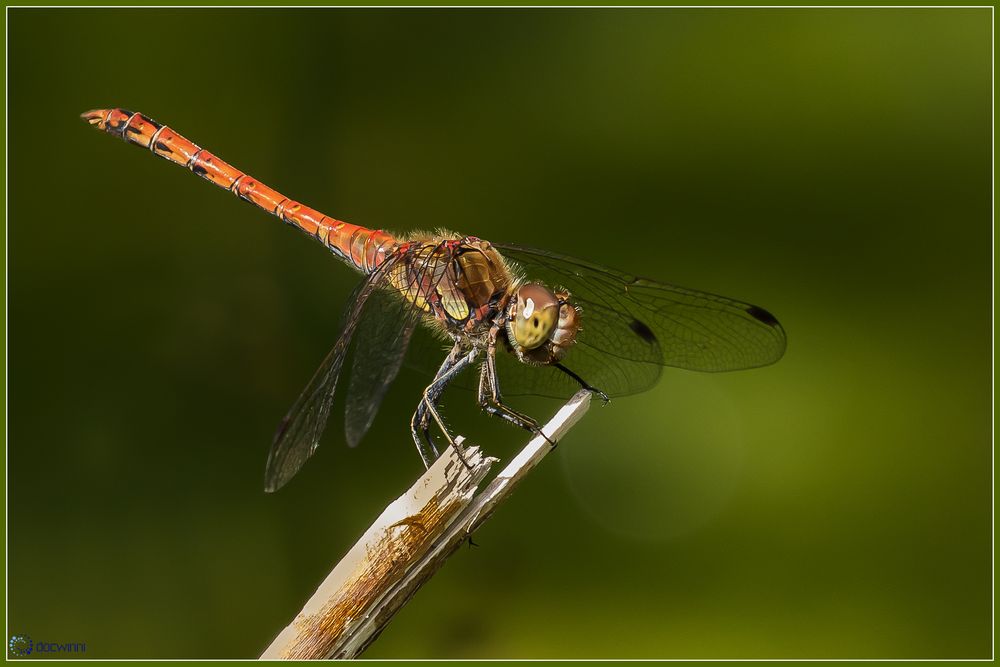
(405, 546)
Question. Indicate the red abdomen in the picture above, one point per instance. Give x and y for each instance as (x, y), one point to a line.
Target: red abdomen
(363, 248)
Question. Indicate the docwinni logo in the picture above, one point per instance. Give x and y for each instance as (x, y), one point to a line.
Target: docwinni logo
(22, 646)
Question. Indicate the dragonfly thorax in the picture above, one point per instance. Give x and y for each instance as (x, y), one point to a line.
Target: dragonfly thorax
(541, 324)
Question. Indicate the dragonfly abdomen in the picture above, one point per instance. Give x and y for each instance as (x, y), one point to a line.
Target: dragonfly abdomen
(363, 248)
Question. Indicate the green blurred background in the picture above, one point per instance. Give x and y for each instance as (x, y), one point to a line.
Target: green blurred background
(833, 166)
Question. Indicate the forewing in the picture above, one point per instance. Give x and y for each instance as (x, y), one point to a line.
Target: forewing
(299, 432)
(382, 338)
(631, 326)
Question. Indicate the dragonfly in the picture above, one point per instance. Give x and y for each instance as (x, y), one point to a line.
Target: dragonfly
(535, 322)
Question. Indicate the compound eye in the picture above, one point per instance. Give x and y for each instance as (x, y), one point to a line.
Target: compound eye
(534, 317)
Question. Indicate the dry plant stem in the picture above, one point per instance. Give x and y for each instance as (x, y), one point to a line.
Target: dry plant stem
(397, 539)
(406, 545)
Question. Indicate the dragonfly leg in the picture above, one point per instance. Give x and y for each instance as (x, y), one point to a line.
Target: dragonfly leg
(493, 405)
(433, 392)
(428, 452)
(419, 425)
(583, 384)
(421, 420)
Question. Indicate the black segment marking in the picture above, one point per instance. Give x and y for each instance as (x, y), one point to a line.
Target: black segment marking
(198, 169)
(762, 315)
(160, 146)
(642, 331)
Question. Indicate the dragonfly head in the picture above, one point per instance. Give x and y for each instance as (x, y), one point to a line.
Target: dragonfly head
(541, 324)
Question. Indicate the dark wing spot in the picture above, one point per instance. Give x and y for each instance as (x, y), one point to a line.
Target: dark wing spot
(642, 331)
(762, 315)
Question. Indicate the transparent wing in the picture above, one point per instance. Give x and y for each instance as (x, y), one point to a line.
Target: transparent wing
(381, 341)
(632, 325)
(631, 328)
(381, 322)
(299, 432)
